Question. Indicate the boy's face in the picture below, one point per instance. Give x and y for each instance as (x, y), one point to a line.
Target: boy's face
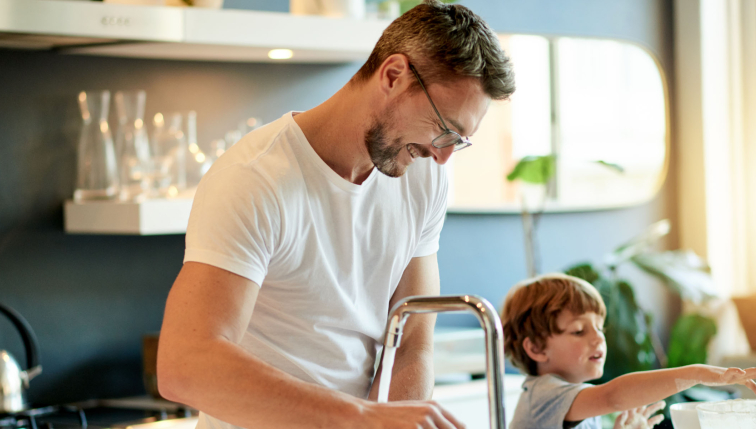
(579, 352)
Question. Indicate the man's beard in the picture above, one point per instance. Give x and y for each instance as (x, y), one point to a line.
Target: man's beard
(382, 153)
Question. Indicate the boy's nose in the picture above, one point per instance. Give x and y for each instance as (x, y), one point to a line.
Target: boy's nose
(598, 337)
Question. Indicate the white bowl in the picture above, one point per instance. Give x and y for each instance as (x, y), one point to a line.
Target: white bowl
(731, 414)
(684, 415)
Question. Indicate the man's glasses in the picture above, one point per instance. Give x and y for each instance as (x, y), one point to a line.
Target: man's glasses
(448, 137)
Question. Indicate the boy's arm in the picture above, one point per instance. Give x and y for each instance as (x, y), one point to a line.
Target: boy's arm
(641, 388)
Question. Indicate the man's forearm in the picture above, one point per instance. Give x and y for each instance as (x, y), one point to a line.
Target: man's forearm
(412, 377)
(226, 382)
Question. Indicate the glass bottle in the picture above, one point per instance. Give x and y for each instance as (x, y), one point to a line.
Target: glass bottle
(132, 145)
(97, 168)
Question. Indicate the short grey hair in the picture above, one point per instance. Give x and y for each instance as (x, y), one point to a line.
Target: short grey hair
(445, 42)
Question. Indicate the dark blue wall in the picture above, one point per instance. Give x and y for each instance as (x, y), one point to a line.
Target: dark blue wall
(90, 298)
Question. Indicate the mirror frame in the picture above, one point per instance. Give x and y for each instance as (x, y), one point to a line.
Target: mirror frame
(553, 206)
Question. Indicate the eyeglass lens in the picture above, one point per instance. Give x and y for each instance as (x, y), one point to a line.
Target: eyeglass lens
(450, 139)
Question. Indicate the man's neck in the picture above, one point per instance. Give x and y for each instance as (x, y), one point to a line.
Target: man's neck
(336, 131)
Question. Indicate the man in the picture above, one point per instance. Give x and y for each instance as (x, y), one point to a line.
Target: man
(306, 232)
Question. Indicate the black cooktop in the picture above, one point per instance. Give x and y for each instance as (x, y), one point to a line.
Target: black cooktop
(89, 417)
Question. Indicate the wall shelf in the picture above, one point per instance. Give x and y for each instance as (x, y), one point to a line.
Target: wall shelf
(158, 32)
(150, 217)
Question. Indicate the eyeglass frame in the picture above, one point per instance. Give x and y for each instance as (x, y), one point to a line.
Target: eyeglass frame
(460, 140)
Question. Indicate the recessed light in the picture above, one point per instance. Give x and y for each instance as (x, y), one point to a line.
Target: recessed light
(280, 54)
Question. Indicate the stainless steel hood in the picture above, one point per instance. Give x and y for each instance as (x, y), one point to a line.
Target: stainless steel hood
(96, 28)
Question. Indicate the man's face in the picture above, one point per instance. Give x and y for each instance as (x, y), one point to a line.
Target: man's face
(405, 129)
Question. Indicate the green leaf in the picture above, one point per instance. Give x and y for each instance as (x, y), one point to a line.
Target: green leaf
(639, 244)
(584, 271)
(628, 338)
(616, 167)
(534, 169)
(682, 271)
(689, 340)
(405, 5)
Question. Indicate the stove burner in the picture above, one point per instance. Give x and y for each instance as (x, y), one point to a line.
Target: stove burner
(90, 417)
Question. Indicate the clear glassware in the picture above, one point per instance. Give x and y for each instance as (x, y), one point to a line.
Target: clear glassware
(168, 155)
(132, 145)
(197, 161)
(97, 168)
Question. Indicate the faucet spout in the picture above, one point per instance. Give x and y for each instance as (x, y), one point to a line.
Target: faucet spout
(488, 319)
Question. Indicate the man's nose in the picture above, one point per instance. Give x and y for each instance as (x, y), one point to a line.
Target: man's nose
(441, 156)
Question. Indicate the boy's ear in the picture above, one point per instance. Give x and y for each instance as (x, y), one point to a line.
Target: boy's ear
(534, 352)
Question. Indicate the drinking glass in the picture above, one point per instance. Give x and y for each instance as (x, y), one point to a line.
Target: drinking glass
(97, 168)
(132, 145)
(169, 149)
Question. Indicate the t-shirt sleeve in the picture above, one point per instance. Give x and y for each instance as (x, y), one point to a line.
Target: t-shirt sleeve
(436, 214)
(234, 223)
(551, 399)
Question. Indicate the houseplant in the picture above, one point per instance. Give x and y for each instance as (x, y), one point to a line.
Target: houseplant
(631, 343)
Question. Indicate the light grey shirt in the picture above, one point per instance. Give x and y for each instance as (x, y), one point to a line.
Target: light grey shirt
(544, 403)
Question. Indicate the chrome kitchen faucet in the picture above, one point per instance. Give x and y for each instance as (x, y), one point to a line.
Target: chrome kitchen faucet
(488, 319)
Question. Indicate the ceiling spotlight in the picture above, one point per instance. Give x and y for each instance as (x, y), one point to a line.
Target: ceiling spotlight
(280, 54)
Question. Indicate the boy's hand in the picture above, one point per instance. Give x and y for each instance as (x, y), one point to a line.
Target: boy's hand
(716, 376)
(640, 418)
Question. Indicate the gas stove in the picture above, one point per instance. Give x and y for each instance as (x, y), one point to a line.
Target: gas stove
(101, 414)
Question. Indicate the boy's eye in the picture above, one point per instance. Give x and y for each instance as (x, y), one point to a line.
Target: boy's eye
(580, 332)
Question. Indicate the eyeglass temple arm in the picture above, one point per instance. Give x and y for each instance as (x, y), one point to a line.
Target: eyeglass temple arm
(420, 81)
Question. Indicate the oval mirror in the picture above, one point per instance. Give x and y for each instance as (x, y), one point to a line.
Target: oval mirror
(599, 107)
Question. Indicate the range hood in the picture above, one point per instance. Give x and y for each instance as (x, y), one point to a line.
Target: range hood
(186, 33)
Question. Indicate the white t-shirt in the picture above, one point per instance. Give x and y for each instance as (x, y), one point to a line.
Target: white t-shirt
(327, 254)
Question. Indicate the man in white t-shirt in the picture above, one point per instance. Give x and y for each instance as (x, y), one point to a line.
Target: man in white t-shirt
(305, 233)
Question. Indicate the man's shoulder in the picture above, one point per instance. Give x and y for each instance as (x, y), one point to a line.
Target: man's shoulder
(262, 146)
(259, 170)
(264, 155)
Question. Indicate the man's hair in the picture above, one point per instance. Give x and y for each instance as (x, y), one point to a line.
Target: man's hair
(532, 307)
(445, 42)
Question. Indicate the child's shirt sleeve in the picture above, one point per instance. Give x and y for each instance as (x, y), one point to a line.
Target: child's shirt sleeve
(548, 398)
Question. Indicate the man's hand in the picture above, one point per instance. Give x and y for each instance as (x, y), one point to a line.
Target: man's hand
(410, 415)
(640, 418)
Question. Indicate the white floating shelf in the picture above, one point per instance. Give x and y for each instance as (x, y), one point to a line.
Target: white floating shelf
(81, 19)
(183, 33)
(150, 217)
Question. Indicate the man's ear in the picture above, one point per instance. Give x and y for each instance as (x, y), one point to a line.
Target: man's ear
(393, 74)
(534, 352)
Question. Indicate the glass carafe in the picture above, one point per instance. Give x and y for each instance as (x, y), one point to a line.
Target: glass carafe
(196, 159)
(97, 169)
(132, 145)
(168, 155)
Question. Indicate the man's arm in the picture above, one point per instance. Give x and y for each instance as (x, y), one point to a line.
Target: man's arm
(412, 376)
(201, 364)
(641, 388)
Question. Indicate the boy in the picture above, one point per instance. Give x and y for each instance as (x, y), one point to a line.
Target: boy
(553, 330)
